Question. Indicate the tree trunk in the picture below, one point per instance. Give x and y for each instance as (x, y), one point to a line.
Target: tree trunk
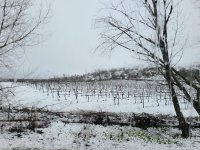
(163, 45)
(196, 106)
(184, 126)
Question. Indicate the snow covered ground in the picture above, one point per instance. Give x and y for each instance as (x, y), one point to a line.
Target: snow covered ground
(29, 96)
(91, 137)
(59, 135)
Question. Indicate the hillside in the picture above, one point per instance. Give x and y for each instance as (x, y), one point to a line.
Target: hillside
(128, 74)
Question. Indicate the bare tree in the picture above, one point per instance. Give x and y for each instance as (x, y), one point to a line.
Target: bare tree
(18, 28)
(150, 29)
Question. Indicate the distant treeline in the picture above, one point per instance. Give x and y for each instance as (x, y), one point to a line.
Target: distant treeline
(147, 73)
(117, 74)
(114, 74)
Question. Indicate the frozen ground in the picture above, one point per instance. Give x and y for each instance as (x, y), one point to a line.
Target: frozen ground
(31, 97)
(90, 137)
(59, 135)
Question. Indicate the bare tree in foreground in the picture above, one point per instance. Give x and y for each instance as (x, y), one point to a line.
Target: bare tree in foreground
(149, 28)
(18, 28)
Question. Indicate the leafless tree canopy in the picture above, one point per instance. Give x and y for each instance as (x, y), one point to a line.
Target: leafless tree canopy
(18, 27)
(138, 26)
(150, 29)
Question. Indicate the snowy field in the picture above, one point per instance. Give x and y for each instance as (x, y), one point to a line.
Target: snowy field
(109, 97)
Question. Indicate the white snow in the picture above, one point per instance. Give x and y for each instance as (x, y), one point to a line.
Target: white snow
(94, 137)
(32, 97)
(91, 137)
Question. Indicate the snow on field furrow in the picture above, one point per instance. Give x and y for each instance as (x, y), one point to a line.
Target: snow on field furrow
(31, 97)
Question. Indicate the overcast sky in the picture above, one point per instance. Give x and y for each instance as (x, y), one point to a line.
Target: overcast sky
(70, 41)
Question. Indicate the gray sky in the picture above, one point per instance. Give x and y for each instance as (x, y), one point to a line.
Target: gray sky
(70, 40)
